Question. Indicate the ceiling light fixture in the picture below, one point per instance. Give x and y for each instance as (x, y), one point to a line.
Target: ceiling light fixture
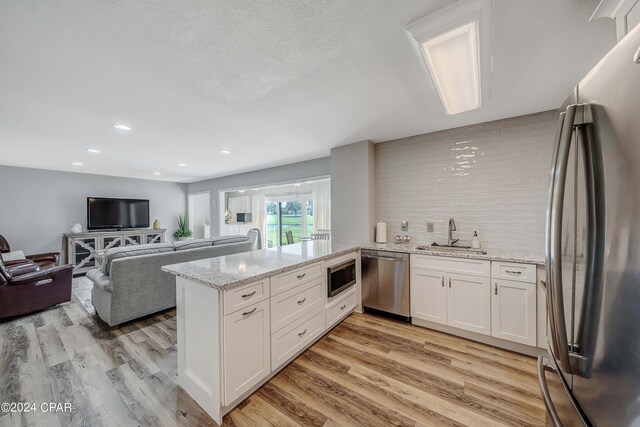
(452, 58)
(241, 191)
(92, 150)
(296, 185)
(157, 173)
(120, 126)
(225, 152)
(182, 165)
(77, 164)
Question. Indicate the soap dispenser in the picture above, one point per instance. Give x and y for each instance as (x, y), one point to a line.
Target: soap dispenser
(475, 242)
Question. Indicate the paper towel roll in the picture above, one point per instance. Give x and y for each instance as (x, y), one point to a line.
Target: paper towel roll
(381, 232)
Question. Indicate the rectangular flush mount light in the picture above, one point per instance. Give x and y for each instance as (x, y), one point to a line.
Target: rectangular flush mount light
(452, 59)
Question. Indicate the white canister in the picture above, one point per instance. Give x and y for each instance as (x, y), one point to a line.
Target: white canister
(381, 232)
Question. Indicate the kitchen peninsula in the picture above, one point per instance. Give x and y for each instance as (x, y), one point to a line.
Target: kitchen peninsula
(241, 318)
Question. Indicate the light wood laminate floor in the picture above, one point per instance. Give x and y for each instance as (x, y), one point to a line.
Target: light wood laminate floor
(367, 371)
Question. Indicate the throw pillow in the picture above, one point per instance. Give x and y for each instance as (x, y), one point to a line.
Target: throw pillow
(13, 256)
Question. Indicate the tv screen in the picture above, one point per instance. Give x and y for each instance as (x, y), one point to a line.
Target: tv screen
(105, 213)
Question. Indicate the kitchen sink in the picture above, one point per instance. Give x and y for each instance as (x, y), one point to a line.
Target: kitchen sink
(446, 248)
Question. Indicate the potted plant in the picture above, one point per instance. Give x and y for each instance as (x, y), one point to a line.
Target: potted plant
(183, 232)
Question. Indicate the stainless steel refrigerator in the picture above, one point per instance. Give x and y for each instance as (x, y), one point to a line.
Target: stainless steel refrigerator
(592, 376)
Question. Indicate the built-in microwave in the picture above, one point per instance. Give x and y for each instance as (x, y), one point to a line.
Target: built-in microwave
(340, 277)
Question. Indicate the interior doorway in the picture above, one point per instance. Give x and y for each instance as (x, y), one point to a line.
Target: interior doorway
(199, 208)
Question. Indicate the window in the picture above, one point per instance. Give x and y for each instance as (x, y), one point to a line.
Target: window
(288, 214)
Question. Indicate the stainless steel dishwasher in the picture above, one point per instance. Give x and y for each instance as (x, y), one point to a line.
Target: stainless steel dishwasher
(385, 283)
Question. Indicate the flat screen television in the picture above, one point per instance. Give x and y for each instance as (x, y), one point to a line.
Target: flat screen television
(104, 213)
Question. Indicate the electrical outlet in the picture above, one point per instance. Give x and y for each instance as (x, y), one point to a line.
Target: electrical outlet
(430, 227)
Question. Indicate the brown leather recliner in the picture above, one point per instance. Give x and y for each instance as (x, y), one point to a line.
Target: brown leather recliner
(45, 260)
(26, 287)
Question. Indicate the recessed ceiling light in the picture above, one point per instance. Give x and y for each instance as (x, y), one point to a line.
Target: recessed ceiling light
(157, 173)
(77, 164)
(452, 59)
(182, 165)
(120, 126)
(241, 191)
(92, 150)
(225, 152)
(296, 185)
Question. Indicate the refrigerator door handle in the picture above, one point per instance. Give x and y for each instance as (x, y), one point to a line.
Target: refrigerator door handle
(544, 389)
(554, 242)
(587, 328)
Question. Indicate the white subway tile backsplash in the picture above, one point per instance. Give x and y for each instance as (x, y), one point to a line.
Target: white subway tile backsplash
(493, 178)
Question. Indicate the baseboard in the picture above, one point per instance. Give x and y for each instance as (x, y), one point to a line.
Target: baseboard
(485, 339)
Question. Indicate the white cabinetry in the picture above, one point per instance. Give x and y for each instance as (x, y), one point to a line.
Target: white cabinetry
(513, 306)
(469, 303)
(441, 293)
(513, 311)
(231, 341)
(247, 355)
(428, 295)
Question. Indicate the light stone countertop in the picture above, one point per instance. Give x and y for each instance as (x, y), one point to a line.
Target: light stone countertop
(233, 270)
(520, 257)
(237, 269)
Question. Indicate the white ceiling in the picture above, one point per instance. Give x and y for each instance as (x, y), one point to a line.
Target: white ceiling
(273, 81)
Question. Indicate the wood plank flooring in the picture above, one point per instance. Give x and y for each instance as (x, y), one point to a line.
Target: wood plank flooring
(368, 371)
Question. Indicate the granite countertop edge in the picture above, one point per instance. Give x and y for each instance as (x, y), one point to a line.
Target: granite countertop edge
(239, 282)
(208, 278)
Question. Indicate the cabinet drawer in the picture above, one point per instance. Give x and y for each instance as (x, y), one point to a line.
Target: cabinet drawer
(512, 271)
(289, 280)
(245, 295)
(296, 336)
(474, 267)
(341, 308)
(290, 305)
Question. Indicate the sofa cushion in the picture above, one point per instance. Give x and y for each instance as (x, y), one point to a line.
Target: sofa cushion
(225, 240)
(129, 251)
(100, 280)
(184, 245)
(12, 256)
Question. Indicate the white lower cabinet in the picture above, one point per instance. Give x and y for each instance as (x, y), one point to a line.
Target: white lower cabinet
(341, 306)
(441, 294)
(289, 340)
(428, 295)
(247, 354)
(513, 311)
(469, 303)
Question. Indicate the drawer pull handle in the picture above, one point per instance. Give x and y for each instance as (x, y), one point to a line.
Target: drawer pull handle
(246, 313)
(250, 294)
(443, 281)
(449, 281)
(513, 272)
(495, 287)
(343, 307)
(302, 333)
(300, 276)
(302, 301)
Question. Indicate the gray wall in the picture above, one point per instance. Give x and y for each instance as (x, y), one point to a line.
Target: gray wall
(39, 205)
(292, 172)
(353, 192)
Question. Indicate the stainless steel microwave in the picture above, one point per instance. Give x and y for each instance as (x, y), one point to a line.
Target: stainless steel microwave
(340, 277)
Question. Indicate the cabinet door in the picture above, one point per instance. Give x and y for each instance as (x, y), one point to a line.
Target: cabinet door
(247, 351)
(469, 303)
(428, 295)
(513, 311)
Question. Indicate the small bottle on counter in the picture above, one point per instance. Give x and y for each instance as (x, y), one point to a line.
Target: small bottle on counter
(475, 242)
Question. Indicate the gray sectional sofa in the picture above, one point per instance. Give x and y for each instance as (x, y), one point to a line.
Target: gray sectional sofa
(130, 284)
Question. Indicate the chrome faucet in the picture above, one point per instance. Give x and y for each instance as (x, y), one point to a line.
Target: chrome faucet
(452, 228)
